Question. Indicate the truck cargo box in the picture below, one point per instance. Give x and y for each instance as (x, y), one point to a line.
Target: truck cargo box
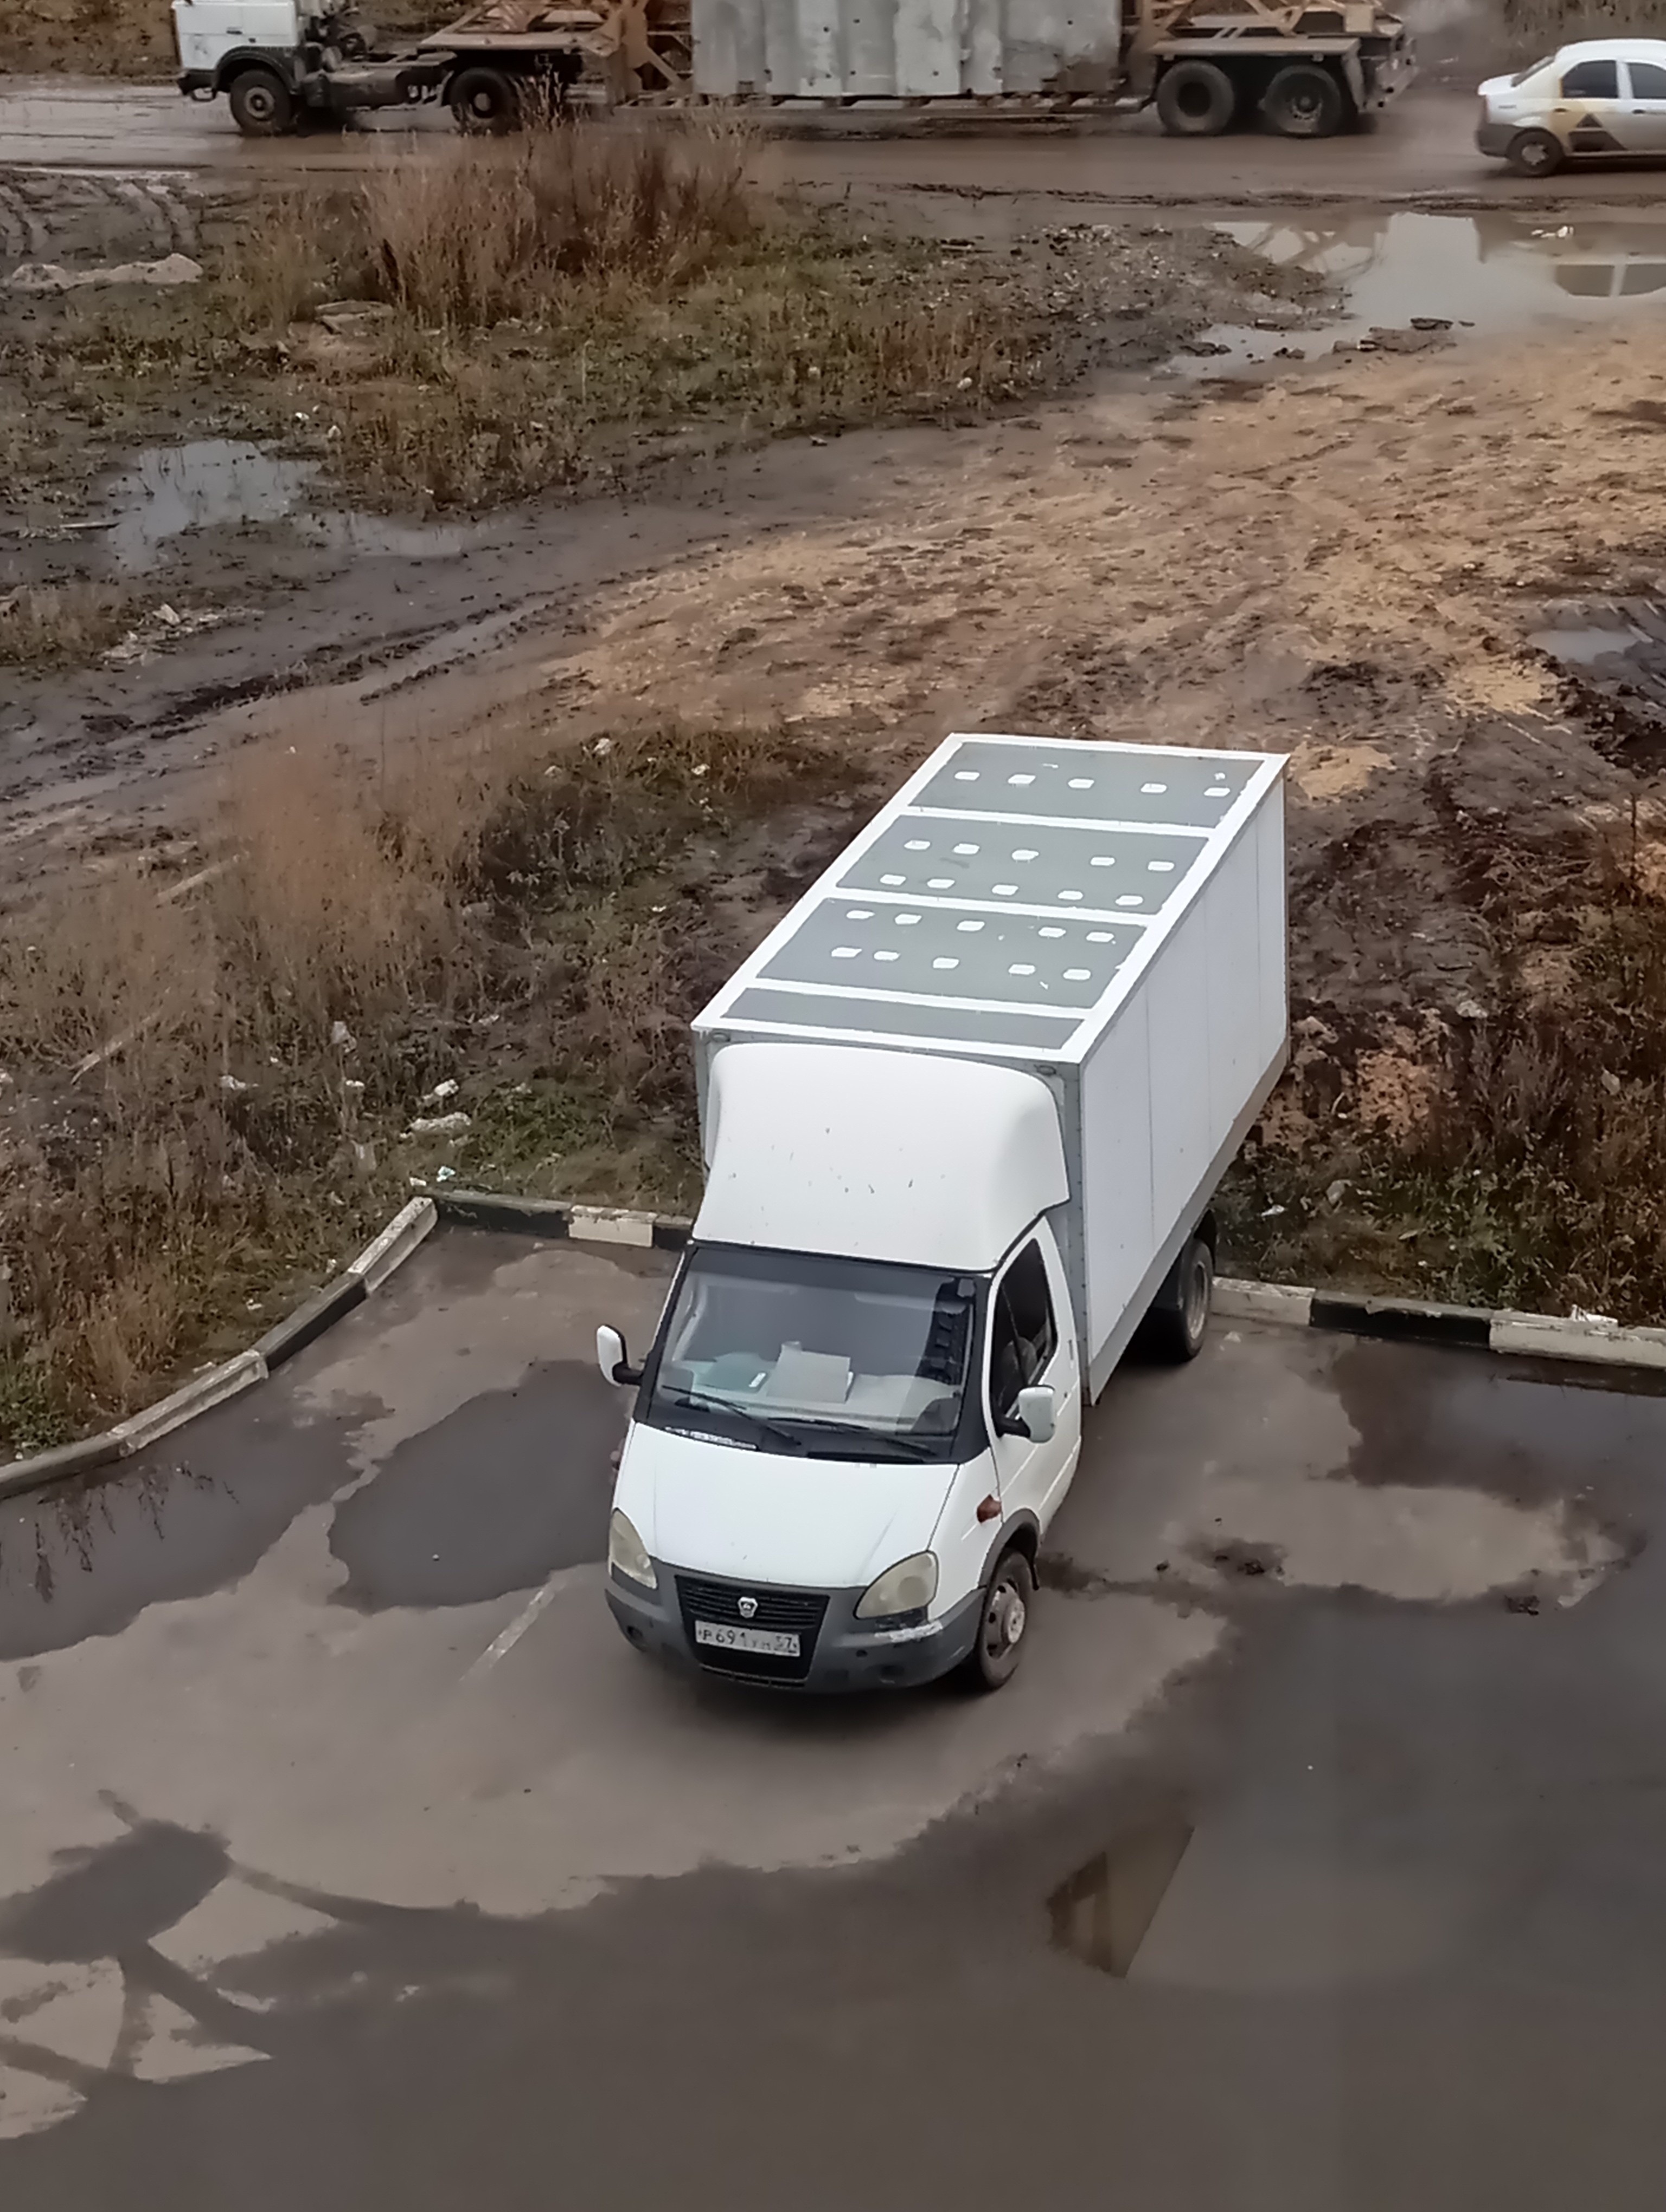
(1109, 918)
(916, 49)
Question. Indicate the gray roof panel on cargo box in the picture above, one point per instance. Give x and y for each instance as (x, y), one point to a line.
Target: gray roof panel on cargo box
(1002, 901)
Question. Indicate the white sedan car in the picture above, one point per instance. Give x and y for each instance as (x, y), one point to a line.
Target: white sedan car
(1601, 96)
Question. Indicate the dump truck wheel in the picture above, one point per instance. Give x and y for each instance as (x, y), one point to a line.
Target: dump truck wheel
(485, 100)
(1304, 101)
(1535, 154)
(1196, 99)
(262, 105)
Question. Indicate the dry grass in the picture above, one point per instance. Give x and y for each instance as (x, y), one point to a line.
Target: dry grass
(572, 304)
(1527, 1172)
(478, 234)
(1530, 28)
(45, 626)
(284, 265)
(522, 918)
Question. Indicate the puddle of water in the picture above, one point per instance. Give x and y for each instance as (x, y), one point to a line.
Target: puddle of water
(1489, 272)
(221, 483)
(1585, 647)
(1102, 1914)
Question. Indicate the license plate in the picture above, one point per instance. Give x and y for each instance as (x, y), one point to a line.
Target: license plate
(770, 1643)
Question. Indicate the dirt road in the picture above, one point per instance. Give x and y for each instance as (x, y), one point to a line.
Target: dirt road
(1422, 149)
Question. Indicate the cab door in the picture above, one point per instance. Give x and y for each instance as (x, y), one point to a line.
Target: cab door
(1032, 1339)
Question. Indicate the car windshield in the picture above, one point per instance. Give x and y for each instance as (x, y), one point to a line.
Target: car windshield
(1533, 69)
(796, 1353)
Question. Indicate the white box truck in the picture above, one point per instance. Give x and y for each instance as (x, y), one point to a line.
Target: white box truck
(962, 1115)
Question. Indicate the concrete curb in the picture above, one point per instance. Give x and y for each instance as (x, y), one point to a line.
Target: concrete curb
(395, 1245)
(229, 1380)
(1591, 1341)
(310, 1320)
(386, 1251)
(1536, 1336)
(556, 1218)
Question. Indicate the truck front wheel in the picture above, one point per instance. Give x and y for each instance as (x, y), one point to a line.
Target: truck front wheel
(1196, 99)
(1304, 101)
(262, 105)
(1008, 1601)
(485, 100)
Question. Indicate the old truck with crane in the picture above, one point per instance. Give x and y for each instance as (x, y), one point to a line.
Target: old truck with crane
(1304, 69)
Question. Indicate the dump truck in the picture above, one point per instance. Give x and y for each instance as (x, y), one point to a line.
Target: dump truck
(1304, 68)
(962, 1115)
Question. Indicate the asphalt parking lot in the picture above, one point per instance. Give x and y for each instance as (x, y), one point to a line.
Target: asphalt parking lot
(1316, 1858)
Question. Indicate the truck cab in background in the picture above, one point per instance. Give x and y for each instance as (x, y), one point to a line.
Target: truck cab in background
(962, 1114)
(278, 63)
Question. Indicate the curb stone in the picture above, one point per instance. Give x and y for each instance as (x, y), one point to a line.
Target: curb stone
(557, 1217)
(395, 1245)
(1584, 1338)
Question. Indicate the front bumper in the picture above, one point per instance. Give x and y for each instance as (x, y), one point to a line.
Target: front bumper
(1494, 138)
(846, 1654)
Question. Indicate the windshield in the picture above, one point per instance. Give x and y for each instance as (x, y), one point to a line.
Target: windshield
(794, 1353)
(1533, 69)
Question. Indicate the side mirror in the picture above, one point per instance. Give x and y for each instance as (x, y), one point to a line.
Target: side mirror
(615, 1361)
(1038, 1413)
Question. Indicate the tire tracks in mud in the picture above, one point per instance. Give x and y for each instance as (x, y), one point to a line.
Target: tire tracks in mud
(55, 215)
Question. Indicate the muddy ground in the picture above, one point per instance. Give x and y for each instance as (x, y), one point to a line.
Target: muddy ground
(1349, 557)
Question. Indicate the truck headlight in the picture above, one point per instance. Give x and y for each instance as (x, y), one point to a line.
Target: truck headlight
(627, 1554)
(908, 1587)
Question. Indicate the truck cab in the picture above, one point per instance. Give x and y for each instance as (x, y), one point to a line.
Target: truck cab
(278, 62)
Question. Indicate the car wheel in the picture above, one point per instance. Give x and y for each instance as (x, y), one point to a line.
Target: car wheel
(1535, 154)
(1304, 101)
(1009, 1598)
(1196, 99)
(262, 105)
(484, 100)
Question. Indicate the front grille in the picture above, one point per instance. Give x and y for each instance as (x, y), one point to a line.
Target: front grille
(781, 1609)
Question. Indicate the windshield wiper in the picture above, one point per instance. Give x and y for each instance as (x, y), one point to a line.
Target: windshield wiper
(774, 1430)
(906, 1446)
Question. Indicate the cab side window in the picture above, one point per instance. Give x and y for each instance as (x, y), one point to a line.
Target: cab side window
(1024, 1334)
(1648, 82)
(1591, 81)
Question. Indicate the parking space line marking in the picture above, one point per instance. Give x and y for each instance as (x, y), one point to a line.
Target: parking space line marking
(501, 1645)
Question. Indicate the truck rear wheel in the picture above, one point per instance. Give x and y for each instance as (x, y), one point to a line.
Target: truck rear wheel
(262, 105)
(1178, 1321)
(1196, 99)
(484, 100)
(1304, 101)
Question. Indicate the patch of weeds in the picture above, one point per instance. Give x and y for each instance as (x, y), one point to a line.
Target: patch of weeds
(46, 626)
(555, 1137)
(33, 1417)
(1531, 1176)
(517, 930)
